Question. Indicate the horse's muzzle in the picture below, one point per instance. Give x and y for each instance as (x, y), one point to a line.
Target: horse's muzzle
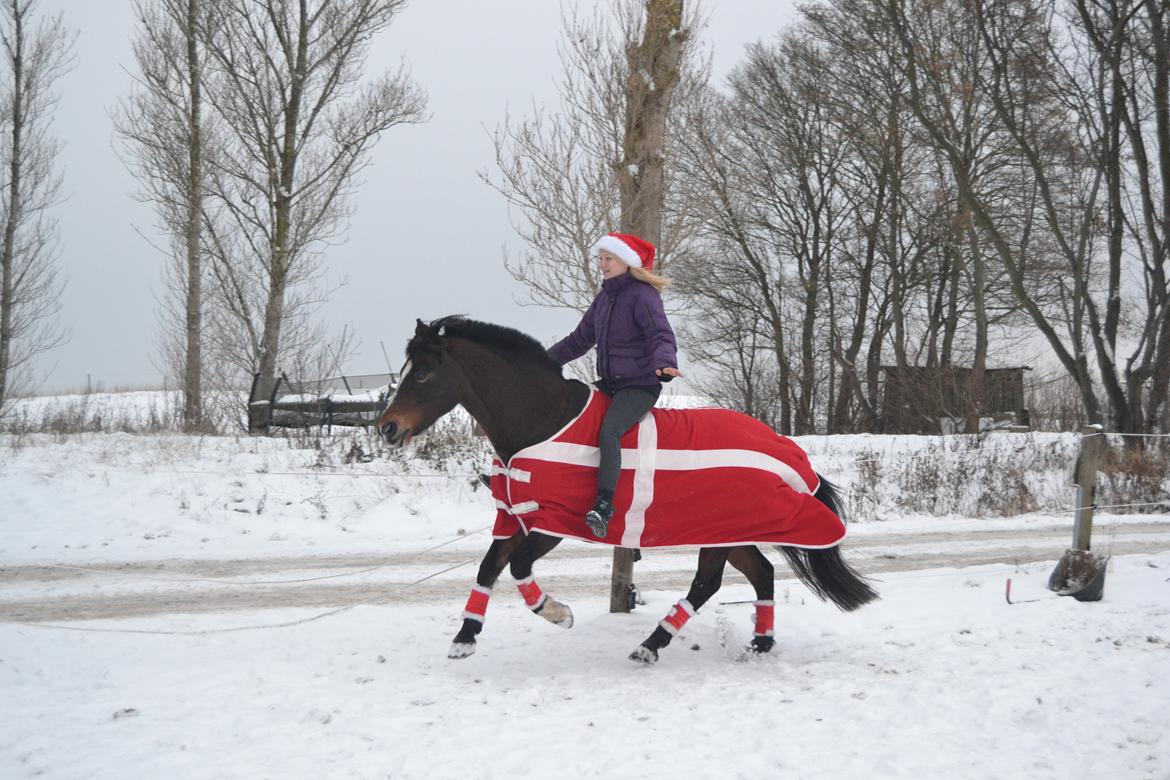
(393, 435)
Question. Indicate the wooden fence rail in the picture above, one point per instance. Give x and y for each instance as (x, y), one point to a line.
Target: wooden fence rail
(285, 404)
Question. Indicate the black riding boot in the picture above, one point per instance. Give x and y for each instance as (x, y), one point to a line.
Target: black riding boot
(598, 517)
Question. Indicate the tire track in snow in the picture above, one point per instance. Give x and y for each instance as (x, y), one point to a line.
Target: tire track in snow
(872, 554)
(866, 545)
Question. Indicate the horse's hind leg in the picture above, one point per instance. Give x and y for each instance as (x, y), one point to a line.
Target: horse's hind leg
(473, 614)
(761, 574)
(535, 547)
(706, 583)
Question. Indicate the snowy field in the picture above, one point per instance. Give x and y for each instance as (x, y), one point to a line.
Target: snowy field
(235, 607)
(941, 678)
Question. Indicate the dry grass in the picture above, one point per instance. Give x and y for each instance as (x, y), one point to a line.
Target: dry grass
(1135, 477)
(991, 475)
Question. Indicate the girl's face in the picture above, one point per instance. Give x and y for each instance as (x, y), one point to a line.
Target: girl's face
(611, 267)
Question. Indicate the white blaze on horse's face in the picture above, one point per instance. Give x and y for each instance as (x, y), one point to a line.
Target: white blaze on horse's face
(423, 396)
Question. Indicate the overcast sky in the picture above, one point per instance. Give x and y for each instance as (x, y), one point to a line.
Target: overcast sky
(427, 236)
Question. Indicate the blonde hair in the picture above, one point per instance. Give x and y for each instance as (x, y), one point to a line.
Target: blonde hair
(659, 283)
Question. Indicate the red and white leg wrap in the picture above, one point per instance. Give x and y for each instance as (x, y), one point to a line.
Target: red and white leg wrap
(477, 603)
(680, 613)
(765, 618)
(533, 596)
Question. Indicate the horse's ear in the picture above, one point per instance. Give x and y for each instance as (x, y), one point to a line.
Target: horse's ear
(421, 328)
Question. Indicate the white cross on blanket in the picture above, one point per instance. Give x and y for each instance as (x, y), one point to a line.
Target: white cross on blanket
(690, 477)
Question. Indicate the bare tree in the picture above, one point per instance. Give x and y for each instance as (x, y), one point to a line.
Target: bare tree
(833, 220)
(601, 164)
(162, 128)
(931, 188)
(563, 171)
(651, 77)
(284, 81)
(863, 96)
(795, 151)
(772, 158)
(1129, 82)
(962, 127)
(551, 169)
(1075, 99)
(36, 54)
(733, 290)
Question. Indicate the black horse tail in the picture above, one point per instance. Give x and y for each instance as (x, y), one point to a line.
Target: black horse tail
(824, 571)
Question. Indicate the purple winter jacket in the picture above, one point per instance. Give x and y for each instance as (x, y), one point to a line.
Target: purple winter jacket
(628, 324)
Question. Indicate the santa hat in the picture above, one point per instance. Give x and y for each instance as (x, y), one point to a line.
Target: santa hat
(631, 250)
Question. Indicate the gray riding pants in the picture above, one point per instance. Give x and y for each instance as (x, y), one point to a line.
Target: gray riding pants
(629, 405)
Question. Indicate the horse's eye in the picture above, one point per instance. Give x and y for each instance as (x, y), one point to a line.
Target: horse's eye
(422, 376)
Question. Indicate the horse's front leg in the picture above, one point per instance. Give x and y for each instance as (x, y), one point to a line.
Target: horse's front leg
(706, 583)
(473, 614)
(535, 547)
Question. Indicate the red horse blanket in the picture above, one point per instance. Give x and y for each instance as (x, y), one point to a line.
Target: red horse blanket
(690, 477)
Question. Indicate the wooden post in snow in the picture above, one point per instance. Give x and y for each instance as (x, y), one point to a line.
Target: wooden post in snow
(1081, 573)
(1092, 442)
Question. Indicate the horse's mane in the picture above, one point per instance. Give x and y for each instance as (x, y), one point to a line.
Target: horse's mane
(498, 338)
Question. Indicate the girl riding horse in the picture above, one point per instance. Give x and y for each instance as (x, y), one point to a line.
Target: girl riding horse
(539, 425)
(635, 352)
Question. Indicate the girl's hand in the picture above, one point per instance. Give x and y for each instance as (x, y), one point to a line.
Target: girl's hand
(668, 372)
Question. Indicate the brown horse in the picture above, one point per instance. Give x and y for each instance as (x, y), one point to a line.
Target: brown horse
(518, 395)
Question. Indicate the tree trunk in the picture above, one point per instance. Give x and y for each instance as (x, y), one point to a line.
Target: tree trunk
(975, 387)
(14, 197)
(804, 405)
(193, 365)
(653, 75)
(281, 258)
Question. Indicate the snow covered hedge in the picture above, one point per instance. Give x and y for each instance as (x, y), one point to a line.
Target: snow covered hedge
(884, 476)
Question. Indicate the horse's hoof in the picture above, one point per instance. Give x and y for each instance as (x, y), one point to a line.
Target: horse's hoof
(556, 613)
(644, 655)
(461, 649)
(761, 644)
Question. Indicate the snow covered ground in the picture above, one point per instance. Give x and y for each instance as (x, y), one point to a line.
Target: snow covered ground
(221, 607)
(939, 679)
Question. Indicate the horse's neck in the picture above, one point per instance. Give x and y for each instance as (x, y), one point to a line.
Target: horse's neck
(518, 408)
(531, 418)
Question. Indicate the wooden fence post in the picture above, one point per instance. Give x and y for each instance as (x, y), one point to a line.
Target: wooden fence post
(622, 579)
(1081, 573)
(1089, 459)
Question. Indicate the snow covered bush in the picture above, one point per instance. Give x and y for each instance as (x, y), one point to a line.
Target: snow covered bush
(882, 477)
(981, 475)
(1137, 478)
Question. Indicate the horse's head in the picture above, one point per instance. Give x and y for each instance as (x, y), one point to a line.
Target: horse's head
(430, 386)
